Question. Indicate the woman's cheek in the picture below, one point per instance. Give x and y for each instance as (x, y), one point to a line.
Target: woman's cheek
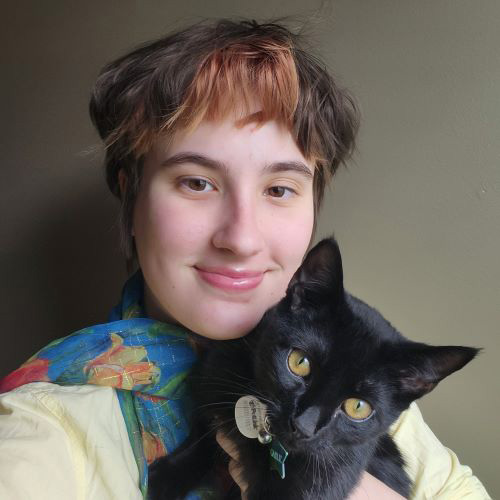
(294, 234)
(178, 224)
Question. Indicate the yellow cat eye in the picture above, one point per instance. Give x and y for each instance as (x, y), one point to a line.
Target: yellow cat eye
(298, 363)
(357, 409)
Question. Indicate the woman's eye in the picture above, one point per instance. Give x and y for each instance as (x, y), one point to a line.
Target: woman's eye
(298, 363)
(357, 409)
(280, 192)
(197, 184)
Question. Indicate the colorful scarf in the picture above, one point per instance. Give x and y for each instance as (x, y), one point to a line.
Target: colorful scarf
(146, 361)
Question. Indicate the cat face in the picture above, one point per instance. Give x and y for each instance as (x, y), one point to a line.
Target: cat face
(322, 391)
(334, 372)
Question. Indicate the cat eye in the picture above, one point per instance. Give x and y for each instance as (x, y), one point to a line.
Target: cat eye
(299, 363)
(357, 409)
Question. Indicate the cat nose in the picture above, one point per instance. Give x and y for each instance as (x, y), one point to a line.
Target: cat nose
(305, 424)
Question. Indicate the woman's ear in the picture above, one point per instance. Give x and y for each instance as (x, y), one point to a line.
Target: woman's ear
(122, 182)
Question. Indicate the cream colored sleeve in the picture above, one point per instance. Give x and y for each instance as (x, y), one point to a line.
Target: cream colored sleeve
(435, 470)
(65, 442)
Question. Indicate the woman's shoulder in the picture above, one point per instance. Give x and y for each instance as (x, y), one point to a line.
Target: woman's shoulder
(38, 391)
(71, 441)
(434, 469)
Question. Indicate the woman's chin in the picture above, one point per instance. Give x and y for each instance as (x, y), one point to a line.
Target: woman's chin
(225, 326)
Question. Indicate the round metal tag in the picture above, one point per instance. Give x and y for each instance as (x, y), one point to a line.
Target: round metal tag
(250, 416)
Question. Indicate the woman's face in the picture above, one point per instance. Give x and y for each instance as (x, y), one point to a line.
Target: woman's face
(222, 220)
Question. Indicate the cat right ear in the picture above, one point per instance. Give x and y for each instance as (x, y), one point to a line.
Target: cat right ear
(421, 367)
(319, 280)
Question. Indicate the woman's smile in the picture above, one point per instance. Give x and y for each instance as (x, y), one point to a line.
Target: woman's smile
(230, 279)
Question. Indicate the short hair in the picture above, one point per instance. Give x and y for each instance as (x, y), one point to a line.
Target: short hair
(201, 73)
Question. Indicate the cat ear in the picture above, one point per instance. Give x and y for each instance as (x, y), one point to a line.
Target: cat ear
(319, 279)
(422, 367)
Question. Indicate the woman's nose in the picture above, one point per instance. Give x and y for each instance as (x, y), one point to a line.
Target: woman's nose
(239, 230)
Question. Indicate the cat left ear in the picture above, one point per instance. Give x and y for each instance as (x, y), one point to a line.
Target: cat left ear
(319, 280)
(423, 366)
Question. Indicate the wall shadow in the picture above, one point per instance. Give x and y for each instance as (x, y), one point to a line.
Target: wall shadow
(61, 275)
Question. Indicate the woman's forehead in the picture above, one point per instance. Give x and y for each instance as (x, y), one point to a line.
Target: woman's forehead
(229, 133)
(227, 140)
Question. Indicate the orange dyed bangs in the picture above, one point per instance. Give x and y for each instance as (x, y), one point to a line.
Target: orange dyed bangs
(239, 77)
(231, 80)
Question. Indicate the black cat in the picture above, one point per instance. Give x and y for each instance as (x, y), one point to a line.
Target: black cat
(333, 375)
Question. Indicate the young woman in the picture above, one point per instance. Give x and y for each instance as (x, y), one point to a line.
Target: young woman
(219, 141)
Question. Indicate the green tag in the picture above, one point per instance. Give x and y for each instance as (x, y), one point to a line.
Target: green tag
(278, 457)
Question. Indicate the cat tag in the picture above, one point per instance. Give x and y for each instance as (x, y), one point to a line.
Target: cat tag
(250, 415)
(278, 457)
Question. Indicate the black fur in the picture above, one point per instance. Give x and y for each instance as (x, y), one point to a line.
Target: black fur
(353, 351)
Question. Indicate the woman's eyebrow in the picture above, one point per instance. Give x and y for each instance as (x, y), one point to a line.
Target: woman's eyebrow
(196, 158)
(206, 161)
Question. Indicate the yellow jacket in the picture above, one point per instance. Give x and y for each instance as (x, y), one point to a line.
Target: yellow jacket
(70, 442)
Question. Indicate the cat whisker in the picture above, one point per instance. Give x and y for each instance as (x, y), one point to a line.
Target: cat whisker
(316, 471)
(325, 468)
(230, 372)
(225, 382)
(225, 392)
(250, 390)
(306, 468)
(212, 429)
(219, 403)
(239, 394)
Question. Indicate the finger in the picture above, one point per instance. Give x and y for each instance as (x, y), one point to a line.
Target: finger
(234, 467)
(236, 472)
(227, 445)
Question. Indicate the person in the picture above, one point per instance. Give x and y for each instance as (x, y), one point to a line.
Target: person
(220, 139)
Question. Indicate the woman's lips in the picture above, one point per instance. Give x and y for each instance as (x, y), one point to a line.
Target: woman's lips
(230, 279)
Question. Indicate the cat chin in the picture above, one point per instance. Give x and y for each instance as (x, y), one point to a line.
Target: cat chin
(304, 446)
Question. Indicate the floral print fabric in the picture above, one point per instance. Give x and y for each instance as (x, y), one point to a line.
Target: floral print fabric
(146, 361)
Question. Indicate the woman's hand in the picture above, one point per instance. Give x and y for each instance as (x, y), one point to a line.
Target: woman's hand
(369, 488)
(235, 469)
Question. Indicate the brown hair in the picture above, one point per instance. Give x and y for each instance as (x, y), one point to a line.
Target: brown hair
(202, 73)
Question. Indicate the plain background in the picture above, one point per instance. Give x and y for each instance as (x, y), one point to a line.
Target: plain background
(417, 213)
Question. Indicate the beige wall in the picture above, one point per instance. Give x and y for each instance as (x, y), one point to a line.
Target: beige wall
(417, 214)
